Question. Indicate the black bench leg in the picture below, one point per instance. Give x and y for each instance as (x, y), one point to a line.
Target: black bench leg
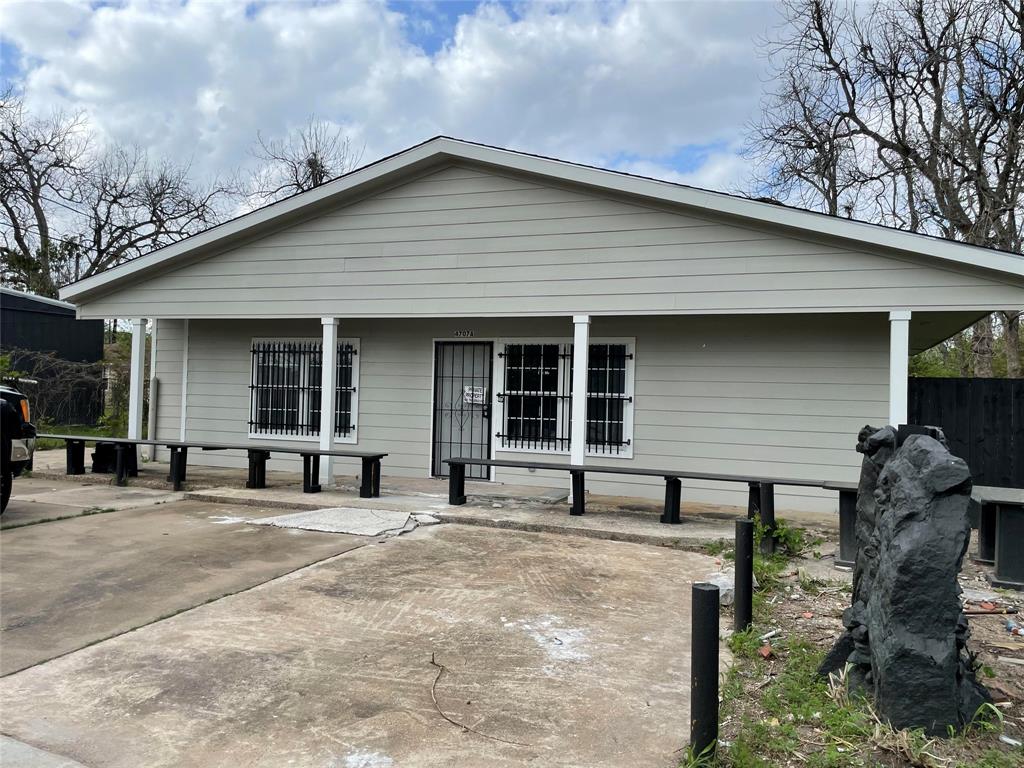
(121, 463)
(753, 500)
(179, 461)
(579, 504)
(75, 457)
(310, 473)
(673, 495)
(987, 535)
(847, 529)
(1009, 566)
(366, 480)
(172, 470)
(257, 469)
(375, 467)
(766, 505)
(456, 484)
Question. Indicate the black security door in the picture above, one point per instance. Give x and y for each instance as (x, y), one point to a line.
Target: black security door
(462, 404)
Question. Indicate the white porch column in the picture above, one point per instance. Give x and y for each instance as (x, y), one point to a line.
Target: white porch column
(899, 365)
(154, 390)
(580, 353)
(328, 384)
(136, 379)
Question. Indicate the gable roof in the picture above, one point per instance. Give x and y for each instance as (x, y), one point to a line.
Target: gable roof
(442, 148)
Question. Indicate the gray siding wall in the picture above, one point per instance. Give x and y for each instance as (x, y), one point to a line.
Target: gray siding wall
(464, 241)
(170, 343)
(781, 394)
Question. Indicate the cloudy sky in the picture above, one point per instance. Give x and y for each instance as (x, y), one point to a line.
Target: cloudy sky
(660, 88)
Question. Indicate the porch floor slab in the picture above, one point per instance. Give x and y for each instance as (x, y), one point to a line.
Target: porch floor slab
(521, 507)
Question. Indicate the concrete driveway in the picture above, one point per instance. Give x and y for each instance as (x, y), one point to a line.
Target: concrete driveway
(73, 581)
(547, 650)
(37, 500)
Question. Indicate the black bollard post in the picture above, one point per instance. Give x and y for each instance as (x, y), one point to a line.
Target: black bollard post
(744, 576)
(704, 670)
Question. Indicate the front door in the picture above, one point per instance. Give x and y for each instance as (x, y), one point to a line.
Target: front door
(462, 405)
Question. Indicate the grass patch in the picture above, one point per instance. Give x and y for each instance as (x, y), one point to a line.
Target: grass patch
(779, 712)
(717, 548)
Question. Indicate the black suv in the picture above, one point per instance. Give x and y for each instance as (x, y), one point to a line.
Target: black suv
(17, 440)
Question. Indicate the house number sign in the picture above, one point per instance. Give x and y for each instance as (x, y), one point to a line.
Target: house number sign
(464, 334)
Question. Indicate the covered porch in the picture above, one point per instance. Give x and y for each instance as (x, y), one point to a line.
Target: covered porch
(772, 394)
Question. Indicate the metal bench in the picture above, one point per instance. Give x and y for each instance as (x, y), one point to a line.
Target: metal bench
(760, 494)
(1001, 534)
(257, 454)
(847, 555)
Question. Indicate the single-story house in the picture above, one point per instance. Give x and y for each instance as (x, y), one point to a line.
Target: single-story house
(453, 286)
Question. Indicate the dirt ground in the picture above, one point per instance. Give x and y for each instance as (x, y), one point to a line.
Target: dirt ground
(806, 606)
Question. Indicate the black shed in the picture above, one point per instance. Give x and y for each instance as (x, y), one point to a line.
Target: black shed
(30, 323)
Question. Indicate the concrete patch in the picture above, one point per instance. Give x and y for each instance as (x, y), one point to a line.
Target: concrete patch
(351, 520)
(16, 754)
(364, 759)
(558, 641)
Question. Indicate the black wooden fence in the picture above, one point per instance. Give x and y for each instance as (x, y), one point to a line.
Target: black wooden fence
(983, 420)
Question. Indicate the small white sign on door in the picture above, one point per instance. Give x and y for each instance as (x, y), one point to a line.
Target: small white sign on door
(474, 395)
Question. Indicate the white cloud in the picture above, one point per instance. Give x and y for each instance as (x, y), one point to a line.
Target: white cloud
(588, 82)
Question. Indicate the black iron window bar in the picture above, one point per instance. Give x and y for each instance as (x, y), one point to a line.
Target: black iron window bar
(284, 392)
(537, 397)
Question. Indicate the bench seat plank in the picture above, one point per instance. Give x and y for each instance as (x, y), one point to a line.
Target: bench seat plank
(639, 471)
(257, 454)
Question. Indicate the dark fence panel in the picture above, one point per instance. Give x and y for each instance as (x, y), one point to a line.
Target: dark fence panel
(983, 420)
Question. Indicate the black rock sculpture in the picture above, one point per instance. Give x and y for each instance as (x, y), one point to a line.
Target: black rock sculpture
(906, 634)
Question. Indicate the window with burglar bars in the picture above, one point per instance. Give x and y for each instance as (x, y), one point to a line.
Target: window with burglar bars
(285, 388)
(537, 397)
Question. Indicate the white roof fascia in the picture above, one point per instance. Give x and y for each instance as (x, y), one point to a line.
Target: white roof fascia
(714, 202)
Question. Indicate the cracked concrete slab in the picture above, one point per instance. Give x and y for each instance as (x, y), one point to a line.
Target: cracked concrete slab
(351, 520)
(562, 651)
(35, 500)
(66, 584)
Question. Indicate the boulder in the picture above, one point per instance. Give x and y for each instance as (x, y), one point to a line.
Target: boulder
(906, 636)
(916, 630)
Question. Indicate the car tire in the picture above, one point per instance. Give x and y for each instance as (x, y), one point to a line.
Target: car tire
(6, 484)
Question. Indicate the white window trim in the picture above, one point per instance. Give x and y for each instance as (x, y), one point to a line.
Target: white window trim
(353, 437)
(627, 415)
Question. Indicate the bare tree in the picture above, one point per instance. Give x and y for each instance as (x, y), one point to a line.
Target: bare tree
(317, 152)
(71, 210)
(805, 149)
(1011, 341)
(926, 100)
(130, 206)
(41, 161)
